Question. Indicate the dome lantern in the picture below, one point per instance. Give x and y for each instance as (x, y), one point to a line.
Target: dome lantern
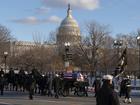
(69, 11)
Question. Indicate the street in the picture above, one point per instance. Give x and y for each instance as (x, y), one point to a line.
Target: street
(19, 98)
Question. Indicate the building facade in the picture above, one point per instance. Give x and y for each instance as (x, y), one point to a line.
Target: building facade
(68, 31)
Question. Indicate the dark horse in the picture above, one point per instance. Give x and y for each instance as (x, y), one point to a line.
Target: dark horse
(21, 80)
(79, 87)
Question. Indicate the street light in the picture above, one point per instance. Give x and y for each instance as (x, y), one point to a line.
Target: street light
(67, 45)
(138, 42)
(5, 58)
(118, 44)
(66, 57)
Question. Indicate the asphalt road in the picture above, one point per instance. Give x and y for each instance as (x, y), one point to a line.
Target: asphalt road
(18, 98)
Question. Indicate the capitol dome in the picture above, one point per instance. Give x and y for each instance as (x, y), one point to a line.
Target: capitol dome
(69, 30)
(69, 21)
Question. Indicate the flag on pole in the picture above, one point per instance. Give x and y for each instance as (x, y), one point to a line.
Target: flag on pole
(122, 63)
(123, 58)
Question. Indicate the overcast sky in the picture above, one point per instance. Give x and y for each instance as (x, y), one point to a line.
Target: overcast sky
(25, 18)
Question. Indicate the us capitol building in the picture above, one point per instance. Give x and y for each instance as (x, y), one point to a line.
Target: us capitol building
(68, 31)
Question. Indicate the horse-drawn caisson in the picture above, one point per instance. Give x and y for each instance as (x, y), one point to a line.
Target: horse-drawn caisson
(49, 84)
(75, 82)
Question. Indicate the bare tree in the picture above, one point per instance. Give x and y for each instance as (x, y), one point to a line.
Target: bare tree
(39, 38)
(5, 38)
(4, 34)
(89, 48)
(107, 55)
(43, 56)
(129, 41)
(52, 37)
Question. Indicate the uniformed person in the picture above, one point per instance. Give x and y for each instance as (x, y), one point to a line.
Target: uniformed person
(122, 88)
(106, 95)
(56, 84)
(127, 83)
(31, 85)
(50, 83)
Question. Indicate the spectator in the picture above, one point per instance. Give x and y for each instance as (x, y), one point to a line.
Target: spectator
(96, 85)
(106, 95)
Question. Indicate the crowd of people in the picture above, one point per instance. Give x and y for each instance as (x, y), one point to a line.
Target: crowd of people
(106, 94)
(51, 84)
(60, 84)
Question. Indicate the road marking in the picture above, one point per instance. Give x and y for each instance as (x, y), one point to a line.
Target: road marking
(4, 103)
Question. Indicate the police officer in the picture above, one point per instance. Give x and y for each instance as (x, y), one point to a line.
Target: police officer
(106, 95)
(127, 84)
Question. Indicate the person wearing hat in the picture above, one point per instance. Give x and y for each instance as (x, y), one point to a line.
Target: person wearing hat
(106, 94)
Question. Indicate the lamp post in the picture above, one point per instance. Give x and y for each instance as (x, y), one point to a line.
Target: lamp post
(67, 45)
(138, 42)
(5, 58)
(118, 44)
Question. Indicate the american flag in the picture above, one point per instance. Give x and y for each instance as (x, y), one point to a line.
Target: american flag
(122, 63)
(123, 58)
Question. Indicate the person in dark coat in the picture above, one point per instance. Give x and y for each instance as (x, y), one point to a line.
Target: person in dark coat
(2, 81)
(1, 72)
(56, 84)
(21, 79)
(50, 83)
(43, 83)
(127, 83)
(11, 78)
(96, 85)
(31, 86)
(106, 95)
(122, 88)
